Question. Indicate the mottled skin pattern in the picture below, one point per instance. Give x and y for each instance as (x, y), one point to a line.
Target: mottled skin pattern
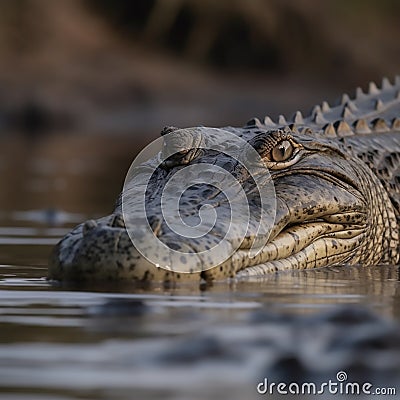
(337, 181)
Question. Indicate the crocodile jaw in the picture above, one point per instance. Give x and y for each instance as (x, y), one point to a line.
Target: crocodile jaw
(102, 249)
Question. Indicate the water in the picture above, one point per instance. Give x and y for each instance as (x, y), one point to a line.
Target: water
(122, 341)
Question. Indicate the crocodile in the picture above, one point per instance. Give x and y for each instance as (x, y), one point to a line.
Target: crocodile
(336, 175)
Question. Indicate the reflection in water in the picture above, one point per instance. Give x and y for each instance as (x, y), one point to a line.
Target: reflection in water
(63, 174)
(186, 343)
(121, 341)
(48, 216)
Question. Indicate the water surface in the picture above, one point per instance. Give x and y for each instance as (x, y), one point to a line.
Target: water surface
(126, 342)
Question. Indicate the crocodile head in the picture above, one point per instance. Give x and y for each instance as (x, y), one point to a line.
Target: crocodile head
(329, 208)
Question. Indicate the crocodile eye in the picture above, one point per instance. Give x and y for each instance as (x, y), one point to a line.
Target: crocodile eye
(282, 151)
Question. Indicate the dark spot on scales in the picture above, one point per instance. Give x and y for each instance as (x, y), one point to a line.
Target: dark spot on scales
(119, 265)
(173, 246)
(294, 236)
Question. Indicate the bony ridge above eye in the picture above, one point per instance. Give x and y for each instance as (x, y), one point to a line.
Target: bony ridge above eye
(278, 149)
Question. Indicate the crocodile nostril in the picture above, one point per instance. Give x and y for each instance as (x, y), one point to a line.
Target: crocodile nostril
(117, 221)
(88, 226)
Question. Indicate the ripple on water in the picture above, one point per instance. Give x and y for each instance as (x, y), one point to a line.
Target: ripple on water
(102, 342)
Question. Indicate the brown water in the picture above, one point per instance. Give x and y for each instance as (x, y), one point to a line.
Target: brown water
(125, 342)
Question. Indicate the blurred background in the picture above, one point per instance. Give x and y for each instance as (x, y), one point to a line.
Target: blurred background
(85, 84)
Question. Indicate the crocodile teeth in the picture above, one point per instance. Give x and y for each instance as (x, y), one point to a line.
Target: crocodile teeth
(396, 124)
(342, 128)
(379, 125)
(361, 126)
(372, 88)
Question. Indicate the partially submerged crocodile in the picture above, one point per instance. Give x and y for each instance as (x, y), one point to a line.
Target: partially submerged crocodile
(336, 174)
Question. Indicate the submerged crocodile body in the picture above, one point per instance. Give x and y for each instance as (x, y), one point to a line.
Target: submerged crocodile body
(336, 175)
